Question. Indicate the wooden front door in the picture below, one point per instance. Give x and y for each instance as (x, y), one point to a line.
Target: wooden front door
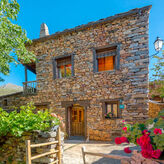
(77, 121)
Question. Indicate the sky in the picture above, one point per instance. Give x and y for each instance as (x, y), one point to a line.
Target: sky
(63, 14)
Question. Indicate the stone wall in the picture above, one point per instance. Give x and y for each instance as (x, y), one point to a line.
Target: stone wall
(155, 108)
(129, 83)
(13, 150)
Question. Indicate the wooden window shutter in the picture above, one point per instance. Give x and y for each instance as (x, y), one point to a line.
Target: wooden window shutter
(109, 63)
(107, 58)
(101, 64)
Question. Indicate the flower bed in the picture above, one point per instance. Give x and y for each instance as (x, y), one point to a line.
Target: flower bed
(149, 136)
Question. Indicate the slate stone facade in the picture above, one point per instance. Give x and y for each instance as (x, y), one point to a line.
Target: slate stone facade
(128, 84)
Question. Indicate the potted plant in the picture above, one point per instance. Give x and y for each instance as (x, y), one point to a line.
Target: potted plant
(108, 115)
(149, 136)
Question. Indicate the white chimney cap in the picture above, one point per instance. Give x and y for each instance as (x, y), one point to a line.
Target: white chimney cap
(43, 30)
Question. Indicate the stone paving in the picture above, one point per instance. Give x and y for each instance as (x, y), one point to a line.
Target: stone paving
(73, 155)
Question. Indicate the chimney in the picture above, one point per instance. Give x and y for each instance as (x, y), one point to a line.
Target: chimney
(43, 30)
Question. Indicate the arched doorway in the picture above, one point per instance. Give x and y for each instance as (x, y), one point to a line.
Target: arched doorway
(77, 126)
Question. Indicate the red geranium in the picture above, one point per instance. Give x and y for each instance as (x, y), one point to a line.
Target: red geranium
(156, 153)
(118, 140)
(124, 139)
(124, 129)
(157, 131)
(144, 141)
(148, 147)
(146, 153)
(145, 132)
(127, 150)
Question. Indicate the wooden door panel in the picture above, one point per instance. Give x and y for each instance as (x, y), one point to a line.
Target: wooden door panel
(77, 121)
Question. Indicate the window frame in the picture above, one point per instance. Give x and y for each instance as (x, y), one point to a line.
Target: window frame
(104, 108)
(117, 57)
(55, 69)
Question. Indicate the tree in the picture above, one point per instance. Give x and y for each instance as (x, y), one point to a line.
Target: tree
(12, 38)
(159, 75)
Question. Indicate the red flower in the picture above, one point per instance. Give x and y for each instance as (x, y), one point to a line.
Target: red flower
(127, 150)
(124, 139)
(118, 140)
(148, 147)
(124, 129)
(144, 141)
(146, 153)
(156, 153)
(145, 132)
(157, 131)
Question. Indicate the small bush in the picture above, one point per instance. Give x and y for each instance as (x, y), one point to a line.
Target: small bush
(15, 123)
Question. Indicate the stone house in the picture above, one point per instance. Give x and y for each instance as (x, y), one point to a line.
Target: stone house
(94, 75)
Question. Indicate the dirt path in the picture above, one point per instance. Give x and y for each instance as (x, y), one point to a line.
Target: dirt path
(73, 155)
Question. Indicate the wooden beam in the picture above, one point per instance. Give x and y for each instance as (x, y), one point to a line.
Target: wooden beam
(83, 154)
(44, 154)
(44, 144)
(28, 152)
(25, 74)
(107, 155)
(30, 68)
(59, 145)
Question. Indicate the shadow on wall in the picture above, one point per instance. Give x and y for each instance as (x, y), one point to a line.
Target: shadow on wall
(115, 152)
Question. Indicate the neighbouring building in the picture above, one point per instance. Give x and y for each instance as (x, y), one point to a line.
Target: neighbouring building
(94, 75)
(156, 101)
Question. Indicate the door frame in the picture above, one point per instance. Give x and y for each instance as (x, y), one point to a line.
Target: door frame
(67, 105)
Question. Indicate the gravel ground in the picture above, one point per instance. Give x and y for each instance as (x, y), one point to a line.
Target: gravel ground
(73, 155)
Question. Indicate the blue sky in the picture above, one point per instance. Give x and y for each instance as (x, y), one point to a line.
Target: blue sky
(62, 14)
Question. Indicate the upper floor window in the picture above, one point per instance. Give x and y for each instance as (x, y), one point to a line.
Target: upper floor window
(106, 63)
(106, 59)
(63, 66)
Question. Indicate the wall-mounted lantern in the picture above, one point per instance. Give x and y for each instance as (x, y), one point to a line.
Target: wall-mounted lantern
(158, 44)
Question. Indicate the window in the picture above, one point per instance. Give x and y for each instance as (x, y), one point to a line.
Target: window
(106, 59)
(42, 108)
(106, 63)
(5, 103)
(63, 66)
(111, 110)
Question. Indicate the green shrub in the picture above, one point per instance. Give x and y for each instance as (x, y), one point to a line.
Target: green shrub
(15, 123)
